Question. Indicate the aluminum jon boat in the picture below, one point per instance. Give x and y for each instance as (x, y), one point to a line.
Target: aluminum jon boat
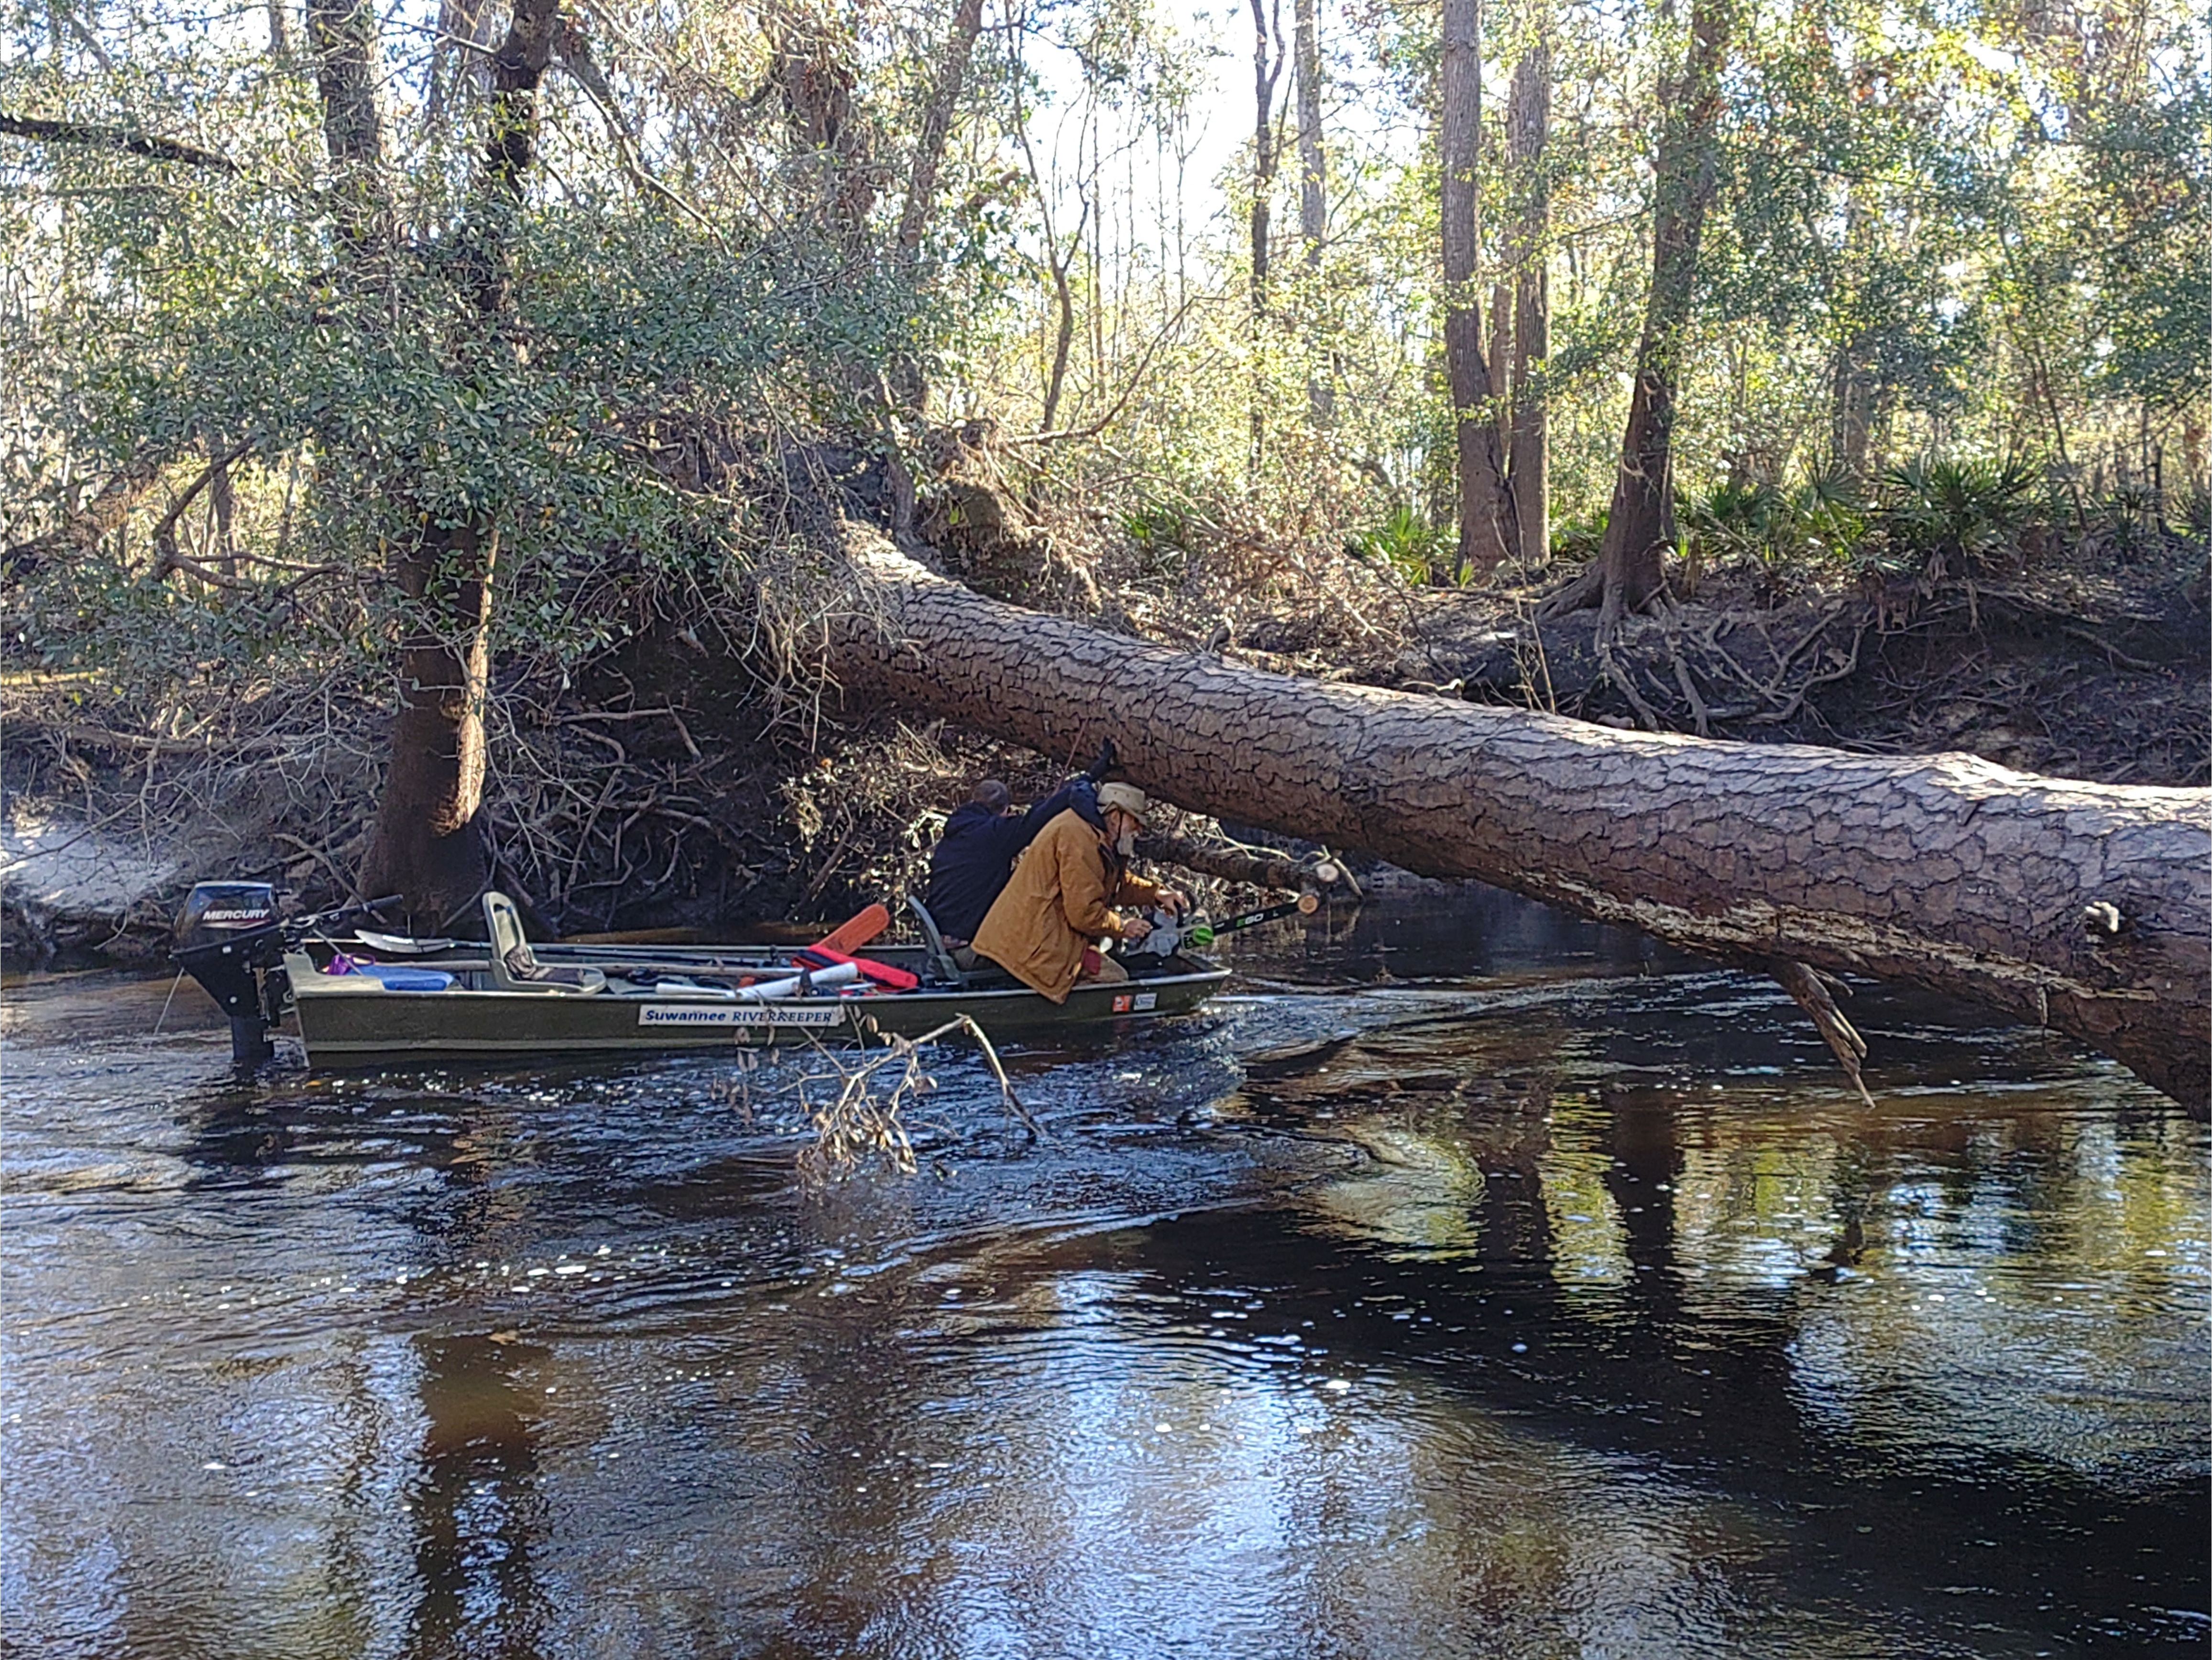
(359, 999)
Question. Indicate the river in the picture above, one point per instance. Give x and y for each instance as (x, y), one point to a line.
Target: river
(1471, 1282)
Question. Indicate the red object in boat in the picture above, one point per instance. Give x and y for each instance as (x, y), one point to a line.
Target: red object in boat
(882, 973)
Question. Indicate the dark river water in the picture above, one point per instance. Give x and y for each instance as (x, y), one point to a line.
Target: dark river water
(1469, 1282)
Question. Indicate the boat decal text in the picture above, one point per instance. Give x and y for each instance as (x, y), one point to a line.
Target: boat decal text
(739, 1014)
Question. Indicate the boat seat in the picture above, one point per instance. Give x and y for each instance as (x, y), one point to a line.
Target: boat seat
(515, 967)
(941, 960)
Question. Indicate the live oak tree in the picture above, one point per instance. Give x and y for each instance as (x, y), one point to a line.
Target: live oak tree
(426, 400)
(428, 845)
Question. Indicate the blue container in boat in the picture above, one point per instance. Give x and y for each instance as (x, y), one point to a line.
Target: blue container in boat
(398, 976)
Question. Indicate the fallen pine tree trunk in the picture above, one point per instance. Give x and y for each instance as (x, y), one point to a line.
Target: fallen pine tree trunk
(2086, 908)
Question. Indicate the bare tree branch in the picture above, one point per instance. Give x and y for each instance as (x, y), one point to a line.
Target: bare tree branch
(116, 138)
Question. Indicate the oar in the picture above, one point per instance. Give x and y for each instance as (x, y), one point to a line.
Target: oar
(850, 936)
(397, 945)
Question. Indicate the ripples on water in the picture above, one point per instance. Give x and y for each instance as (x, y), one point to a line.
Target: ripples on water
(1472, 1283)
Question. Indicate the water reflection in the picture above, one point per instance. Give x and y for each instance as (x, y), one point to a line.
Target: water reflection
(1534, 1296)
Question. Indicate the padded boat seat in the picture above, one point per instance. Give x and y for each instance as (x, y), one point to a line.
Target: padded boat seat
(515, 967)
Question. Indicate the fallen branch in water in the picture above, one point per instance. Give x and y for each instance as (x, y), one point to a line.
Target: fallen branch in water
(1261, 868)
(859, 1122)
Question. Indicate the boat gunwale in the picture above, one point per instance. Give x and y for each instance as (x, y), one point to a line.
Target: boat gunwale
(913, 1011)
(317, 986)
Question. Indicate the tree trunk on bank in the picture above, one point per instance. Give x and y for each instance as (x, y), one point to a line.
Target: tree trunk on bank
(1945, 872)
(1486, 535)
(1529, 448)
(1851, 391)
(342, 36)
(1313, 181)
(936, 128)
(1264, 75)
(427, 845)
(908, 389)
(1627, 573)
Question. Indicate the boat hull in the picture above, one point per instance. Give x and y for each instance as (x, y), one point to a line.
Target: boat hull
(361, 1024)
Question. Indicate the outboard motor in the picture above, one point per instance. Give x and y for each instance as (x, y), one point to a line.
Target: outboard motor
(228, 938)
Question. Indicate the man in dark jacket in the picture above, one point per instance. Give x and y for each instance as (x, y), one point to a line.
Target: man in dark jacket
(982, 839)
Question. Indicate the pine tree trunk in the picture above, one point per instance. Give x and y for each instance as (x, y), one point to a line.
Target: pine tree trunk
(1486, 535)
(1640, 528)
(1528, 450)
(1945, 872)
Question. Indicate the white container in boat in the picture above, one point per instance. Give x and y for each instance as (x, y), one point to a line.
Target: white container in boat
(767, 991)
(674, 986)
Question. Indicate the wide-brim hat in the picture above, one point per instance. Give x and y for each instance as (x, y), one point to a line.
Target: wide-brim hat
(1128, 797)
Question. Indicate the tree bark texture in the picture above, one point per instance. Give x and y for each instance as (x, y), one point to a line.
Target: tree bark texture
(936, 129)
(1529, 449)
(427, 845)
(342, 36)
(1943, 870)
(1266, 70)
(1486, 535)
(1628, 571)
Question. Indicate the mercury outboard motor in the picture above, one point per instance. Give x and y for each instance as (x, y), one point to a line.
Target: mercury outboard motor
(228, 938)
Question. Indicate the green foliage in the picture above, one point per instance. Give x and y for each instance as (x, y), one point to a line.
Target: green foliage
(1165, 533)
(163, 318)
(1932, 517)
(1940, 230)
(1406, 543)
(1959, 516)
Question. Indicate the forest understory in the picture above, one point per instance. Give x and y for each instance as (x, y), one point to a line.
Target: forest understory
(685, 780)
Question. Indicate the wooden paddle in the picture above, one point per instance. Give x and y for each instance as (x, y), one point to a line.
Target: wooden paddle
(852, 934)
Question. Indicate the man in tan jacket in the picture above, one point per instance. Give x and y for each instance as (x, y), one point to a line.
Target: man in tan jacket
(1044, 929)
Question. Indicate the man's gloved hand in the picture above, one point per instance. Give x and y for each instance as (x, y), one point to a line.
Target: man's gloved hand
(1103, 764)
